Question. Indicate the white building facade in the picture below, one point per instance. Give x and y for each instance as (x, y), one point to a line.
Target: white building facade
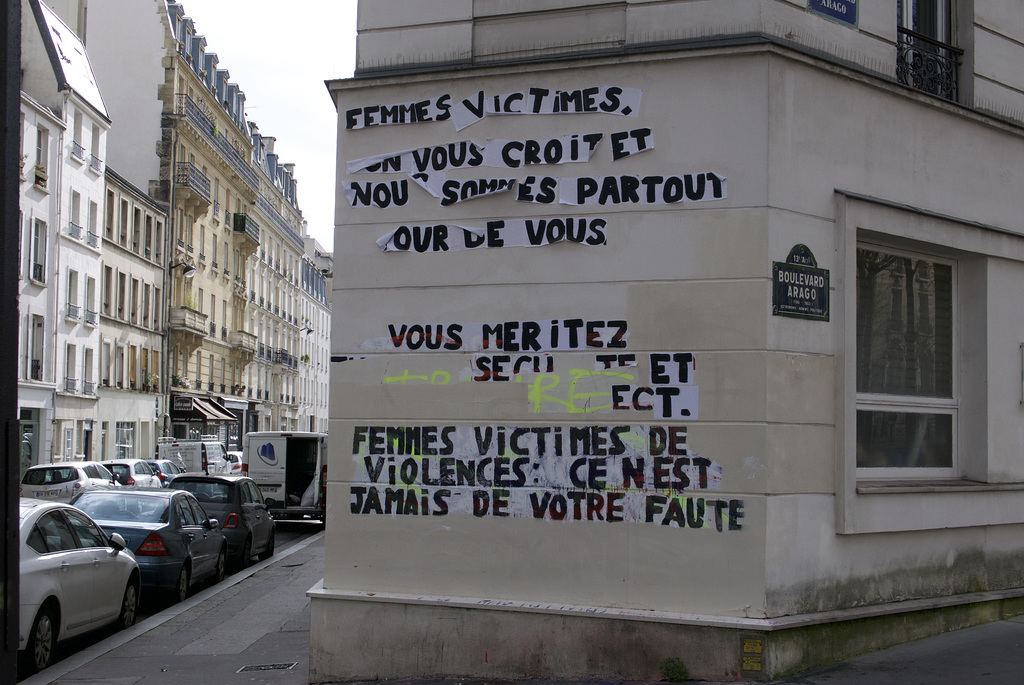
(57, 69)
(132, 310)
(674, 330)
(42, 132)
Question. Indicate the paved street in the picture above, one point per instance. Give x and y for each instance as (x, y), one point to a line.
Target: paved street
(992, 654)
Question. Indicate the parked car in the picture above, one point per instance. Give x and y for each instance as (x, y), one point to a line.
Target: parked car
(74, 578)
(133, 473)
(238, 504)
(165, 470)
(233, 463)
(174, 540)
(61, 482)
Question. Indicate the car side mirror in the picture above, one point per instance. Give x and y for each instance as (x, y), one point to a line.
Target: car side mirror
(117, 542)
(214, 524)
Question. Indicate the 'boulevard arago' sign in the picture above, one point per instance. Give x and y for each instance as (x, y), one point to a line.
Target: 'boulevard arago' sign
(799, 287)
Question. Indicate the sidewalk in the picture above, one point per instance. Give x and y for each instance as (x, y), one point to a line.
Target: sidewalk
(258, 620)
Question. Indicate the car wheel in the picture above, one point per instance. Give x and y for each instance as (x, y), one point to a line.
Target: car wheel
(269, 551)
(180, 592)
(41, 641)
(222, 560)
(246, 554)
(129, 605)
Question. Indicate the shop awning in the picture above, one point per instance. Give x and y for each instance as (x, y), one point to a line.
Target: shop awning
(214, 411)
(199, 409)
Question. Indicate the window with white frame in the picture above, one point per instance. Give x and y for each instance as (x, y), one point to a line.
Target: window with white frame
(39, 251)
(125, 439)
(906, 364)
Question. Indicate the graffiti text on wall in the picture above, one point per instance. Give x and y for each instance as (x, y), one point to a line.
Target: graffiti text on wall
(496, 233)
(639, 473)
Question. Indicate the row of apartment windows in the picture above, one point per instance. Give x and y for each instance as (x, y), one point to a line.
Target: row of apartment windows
(130, 299)
(122, 365)
(133, 228)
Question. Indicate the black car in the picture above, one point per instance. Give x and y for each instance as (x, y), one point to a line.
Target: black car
(238, 504)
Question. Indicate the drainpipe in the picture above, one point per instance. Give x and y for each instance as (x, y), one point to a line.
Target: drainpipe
(55, 291)
(168, 246)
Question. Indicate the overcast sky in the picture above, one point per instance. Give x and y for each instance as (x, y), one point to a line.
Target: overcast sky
(280, 54)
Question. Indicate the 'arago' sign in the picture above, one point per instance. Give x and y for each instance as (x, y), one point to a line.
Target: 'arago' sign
(840, 11)
(799, 287)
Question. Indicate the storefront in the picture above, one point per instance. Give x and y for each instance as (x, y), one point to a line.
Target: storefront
(193, 417)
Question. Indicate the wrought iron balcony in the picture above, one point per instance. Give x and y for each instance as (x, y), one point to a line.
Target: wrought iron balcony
(74, 230)
(92, 239)
(37, 273)
(74, 312)
(246, 225)
(195, 115)
(96, 164)
(71, 384)
(78, 150)
(192, 183)
(36, 370)
(926, 64)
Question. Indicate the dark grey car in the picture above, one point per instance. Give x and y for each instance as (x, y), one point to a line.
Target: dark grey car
(235, 501)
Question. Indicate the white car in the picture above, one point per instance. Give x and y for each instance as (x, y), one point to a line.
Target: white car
(133, 473)
(74, 578)
(231, 465)
(61, 482)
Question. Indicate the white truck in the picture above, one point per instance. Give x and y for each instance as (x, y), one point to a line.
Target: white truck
(290, 468)
(192, 455)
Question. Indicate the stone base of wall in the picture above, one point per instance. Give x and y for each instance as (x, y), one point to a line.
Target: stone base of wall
(360, 637)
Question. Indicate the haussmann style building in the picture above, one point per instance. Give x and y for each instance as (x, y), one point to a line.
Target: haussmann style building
(672, 332)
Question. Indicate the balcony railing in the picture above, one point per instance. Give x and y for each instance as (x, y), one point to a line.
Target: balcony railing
(74, 311)
(245, 224)
(188, 175)
(187, 106)
(71, 384)
(926, 64)
(279, 221)
(36, 370)
(78, 150)
(89, 388)
(74, 230)
(91, 317)
(95, 163)
(37, 273)
(92, 239)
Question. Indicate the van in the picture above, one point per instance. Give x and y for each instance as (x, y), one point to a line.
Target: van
(290, 468)
(192, 455)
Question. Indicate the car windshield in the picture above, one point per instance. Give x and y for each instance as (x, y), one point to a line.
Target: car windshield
(50, 476)
(206, 492)
(124, 507)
